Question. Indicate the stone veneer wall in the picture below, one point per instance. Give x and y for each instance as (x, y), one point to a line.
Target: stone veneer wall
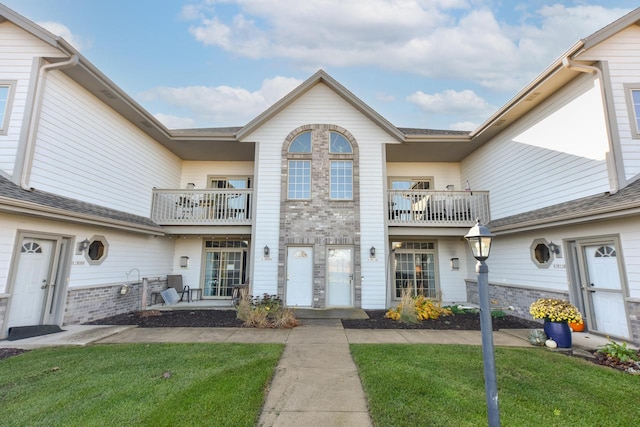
(320, 222)
(521, 298)
(89, 304)
(3, 309)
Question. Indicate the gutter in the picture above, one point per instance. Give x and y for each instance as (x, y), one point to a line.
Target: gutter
(614, 178)
(27, 161)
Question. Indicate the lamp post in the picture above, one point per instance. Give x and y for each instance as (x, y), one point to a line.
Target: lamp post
(479, 238)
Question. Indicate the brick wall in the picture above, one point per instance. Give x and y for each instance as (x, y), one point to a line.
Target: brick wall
(320, 222)
(88, 304)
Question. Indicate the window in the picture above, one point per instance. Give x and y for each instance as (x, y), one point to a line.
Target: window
(415, 269)
(632, 94)
(540, 253)
(299, 184)
(341, 180)
(6, 98)
(338, 144)
(301, 143)
(97, 251)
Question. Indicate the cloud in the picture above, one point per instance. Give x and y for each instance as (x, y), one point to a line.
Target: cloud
(63, 31)
(221, 105)
(175, 122)
(451, 101)
(452, 39)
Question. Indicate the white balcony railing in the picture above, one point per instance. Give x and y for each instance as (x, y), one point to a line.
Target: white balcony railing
(200, 207)
(437, 208)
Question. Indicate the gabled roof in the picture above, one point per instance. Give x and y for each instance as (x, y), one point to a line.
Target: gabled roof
(14, 199)
(601, 206)
(321, 77)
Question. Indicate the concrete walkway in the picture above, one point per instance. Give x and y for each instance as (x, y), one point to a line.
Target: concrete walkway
(316, 382)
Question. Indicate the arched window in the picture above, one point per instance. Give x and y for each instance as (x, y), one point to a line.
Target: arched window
(338, 144)
(301, 143)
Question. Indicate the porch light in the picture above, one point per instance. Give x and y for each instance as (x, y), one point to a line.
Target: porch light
(184, 261)
(372, 252)
(82, 246)
(479, 238)
(266, 251)
(553, 248)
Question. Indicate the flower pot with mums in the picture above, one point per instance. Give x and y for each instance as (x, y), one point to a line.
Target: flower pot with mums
(557, 314)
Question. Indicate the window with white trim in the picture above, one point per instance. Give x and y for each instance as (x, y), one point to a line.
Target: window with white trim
(6, 100)
(632, 95)
(299, 185)
(341, 180)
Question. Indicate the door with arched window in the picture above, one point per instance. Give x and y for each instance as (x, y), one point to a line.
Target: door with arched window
(603, 290)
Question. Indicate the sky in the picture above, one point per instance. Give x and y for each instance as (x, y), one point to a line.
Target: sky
(437, 64)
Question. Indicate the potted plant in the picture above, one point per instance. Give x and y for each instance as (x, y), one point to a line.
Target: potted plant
(557, 315)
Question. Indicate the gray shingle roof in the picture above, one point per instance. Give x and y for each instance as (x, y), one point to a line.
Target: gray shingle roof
(625, 199)
(12, 191)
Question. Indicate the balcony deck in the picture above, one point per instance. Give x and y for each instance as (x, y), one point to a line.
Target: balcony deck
(202, 207)
(426, 208)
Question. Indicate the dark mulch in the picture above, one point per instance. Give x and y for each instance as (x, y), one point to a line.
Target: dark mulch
(461, 322)
(8, 352)
(175, 319)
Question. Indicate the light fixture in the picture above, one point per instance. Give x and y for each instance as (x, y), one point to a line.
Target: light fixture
(82, 246)
(455, 264)
(184, 261)
(372, 252)
(553, 248)
(266, 251)
(479, 238)
(191, 185)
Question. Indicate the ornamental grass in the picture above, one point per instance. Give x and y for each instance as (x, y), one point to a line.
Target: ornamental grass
(555, 310)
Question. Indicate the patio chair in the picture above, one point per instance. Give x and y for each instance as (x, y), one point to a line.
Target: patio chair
(175, 281)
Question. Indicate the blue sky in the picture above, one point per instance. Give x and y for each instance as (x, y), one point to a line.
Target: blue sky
(440, 64)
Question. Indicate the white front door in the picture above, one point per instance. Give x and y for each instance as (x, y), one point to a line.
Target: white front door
(340, 277)
(34, 282)
(299, 292)
(604, 292)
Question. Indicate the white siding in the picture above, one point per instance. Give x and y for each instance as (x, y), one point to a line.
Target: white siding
(321, 105)
(197, 172)
(443, 173)
(452, 284)
(552, 155)
(79, 136)
(622, 53)
(510, 261)
(17, 52)
(152, 255)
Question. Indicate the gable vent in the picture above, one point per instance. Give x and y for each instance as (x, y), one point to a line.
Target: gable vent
(533, 96)
(108, 93)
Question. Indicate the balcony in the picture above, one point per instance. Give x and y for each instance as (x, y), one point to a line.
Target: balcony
(428, 208)
(202, 207)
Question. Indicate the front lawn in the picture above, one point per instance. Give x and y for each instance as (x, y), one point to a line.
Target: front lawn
(137, 384)
(410, 385)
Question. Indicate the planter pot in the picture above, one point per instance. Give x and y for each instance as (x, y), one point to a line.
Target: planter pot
(559, 332)
(575, 327)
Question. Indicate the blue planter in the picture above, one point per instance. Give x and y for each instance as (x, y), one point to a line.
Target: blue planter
(559, 332)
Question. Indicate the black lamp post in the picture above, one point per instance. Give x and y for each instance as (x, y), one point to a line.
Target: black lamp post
(479, 238)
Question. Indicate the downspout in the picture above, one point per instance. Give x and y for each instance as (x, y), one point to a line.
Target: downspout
(27, 161)
(612, 160)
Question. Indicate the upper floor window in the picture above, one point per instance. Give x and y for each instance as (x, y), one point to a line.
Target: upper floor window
(6, 95)
(299, 185)
(632, 94)
(301, 143)
(341, 180)
(338, 144)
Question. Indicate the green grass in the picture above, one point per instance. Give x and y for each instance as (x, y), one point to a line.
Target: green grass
(436, 385)
(126, 385)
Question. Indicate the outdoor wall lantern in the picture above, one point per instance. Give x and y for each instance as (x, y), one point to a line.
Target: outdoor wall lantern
(372, 252)
(455, 263)
(553, 248)
(266, 251)
(479, 238)
(82, 246)
(184, 261)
